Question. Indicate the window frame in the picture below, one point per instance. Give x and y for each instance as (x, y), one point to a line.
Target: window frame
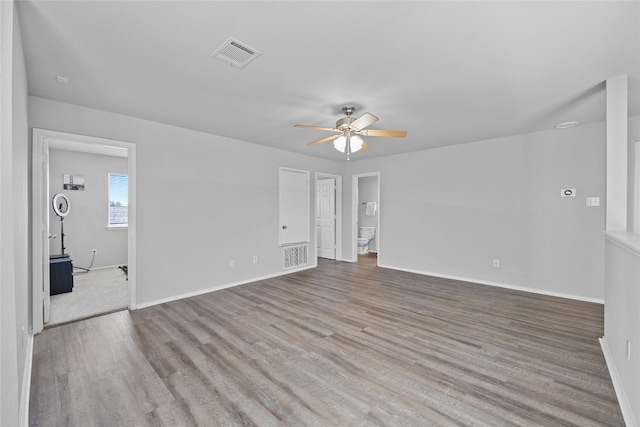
(111, 226)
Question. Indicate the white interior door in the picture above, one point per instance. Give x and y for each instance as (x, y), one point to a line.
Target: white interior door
(294, 206)
(326, 218)
(42, 298)
(47, 234)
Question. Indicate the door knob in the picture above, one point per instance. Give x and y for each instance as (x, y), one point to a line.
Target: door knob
(53, 236)
(284, 227)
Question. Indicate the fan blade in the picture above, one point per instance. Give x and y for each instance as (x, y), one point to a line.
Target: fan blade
(313, 127)
(389, 133)
(363, 121)
(323, 140)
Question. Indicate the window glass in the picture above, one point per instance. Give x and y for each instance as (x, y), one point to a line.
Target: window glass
(118, 200)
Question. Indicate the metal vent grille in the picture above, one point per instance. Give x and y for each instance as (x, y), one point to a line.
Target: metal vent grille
(235, 53)
(295, 256)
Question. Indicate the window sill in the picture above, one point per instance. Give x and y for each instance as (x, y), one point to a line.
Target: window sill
(117, 227)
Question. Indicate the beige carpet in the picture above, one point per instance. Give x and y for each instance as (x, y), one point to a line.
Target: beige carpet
(95, 292)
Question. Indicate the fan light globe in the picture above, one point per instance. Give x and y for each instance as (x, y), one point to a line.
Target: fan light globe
(340, 144)
(356, 143)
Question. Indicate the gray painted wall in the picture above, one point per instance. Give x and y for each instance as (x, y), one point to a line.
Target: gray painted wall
(622, 315)
(447, 211)
(202, 200)
(14, 217)
(622, 296)
(86, 225)
(450, 211)
(21, 170)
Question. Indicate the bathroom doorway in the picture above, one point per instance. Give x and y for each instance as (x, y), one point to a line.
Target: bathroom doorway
(366, 218)
(328, 216)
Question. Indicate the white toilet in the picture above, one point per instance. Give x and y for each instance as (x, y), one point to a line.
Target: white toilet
(366, 234)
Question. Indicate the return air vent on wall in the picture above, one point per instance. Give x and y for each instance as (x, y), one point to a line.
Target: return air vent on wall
(295, 256)
(235, 53)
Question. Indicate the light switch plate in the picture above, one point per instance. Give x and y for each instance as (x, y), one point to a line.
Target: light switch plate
(593, 201)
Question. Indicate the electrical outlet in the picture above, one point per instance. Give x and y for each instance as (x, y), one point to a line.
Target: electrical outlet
(496, 263)
(94, 252)
(232, 263)
(255, 259)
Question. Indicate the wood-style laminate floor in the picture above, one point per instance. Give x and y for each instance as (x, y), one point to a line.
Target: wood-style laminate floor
(344, 344)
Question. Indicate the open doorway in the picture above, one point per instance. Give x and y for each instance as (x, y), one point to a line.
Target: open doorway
(84, 262)
(94, 241)
(366, 217)
(328, 216)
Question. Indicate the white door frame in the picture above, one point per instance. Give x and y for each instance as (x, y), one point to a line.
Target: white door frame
(40, 199)
(284, 210)
(354, 215)
(338, 178)
(636, 190)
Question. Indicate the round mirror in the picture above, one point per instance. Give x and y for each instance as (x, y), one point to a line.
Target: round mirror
(61, 205)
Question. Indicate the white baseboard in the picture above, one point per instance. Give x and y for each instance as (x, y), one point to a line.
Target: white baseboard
(26, 383)
(623, 400)
(499, 285)
(220, 287)
(425, 273)
(104, 267)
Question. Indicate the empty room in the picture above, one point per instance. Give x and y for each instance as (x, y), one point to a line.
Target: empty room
(320, 213)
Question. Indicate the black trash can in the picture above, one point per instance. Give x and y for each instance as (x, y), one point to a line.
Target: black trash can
(60, 274)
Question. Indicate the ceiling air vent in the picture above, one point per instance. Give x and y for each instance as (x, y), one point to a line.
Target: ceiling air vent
(235, 53)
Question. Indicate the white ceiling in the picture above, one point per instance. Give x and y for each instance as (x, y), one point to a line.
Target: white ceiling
(447, 72)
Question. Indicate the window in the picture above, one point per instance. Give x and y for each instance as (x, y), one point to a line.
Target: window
(118, 201)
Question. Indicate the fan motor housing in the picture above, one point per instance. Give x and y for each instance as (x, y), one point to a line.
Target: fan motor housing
(344, 123)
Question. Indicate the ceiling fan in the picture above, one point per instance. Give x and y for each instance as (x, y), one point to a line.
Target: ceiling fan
(349, 132)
